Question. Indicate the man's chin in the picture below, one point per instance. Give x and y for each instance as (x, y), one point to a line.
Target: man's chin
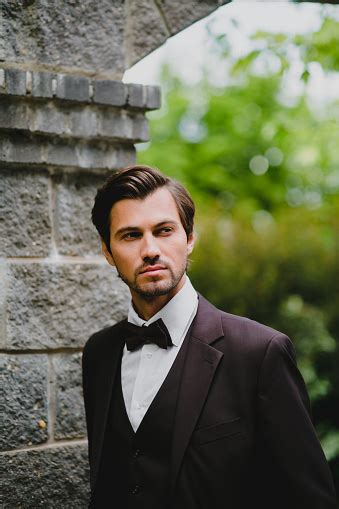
(153, 288)
(149, 287)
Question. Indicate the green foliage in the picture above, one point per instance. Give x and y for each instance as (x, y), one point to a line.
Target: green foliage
(264, 175)
(322, 46)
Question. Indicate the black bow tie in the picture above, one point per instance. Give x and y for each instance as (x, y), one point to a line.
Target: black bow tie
(155, 333)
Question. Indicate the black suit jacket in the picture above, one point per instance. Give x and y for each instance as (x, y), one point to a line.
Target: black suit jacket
(243, 433)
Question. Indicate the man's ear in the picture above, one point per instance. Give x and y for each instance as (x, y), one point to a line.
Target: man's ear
(190, 243)
(107, 254)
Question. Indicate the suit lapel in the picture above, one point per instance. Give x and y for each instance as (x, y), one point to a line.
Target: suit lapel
(104, 383)
(200, 365)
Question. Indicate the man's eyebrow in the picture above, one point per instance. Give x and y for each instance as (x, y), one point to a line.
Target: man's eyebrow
(166, 221)
(127, 229)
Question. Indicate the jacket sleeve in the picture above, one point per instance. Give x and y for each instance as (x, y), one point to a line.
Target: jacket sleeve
(87, 393)
(288, 432)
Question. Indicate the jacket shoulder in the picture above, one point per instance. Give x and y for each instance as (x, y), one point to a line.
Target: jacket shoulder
(236, 333)
(242, 325)
(254, 335)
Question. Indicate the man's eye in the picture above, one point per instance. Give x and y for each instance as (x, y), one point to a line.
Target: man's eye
(165, 229)
(131, 235)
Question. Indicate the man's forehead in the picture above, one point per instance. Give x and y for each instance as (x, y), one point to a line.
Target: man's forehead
(157, 207)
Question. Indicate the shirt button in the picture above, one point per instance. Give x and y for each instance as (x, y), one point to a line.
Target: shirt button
(136, 489)
(138, 406)
(149, 355)
(136, 453)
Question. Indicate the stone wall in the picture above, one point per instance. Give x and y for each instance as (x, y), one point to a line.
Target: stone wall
(60, 136)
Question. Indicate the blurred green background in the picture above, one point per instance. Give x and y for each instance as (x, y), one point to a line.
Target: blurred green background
(262, 165)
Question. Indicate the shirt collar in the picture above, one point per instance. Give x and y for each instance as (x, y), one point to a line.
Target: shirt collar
(175, 314)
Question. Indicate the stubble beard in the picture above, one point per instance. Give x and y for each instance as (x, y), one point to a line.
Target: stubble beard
(150, 290)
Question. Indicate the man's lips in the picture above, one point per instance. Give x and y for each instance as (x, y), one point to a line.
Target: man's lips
(153, 268)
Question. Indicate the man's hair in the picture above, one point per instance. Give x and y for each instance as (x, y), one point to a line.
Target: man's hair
(137, 182)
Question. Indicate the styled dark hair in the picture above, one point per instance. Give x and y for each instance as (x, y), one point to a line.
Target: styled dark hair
(137, 182)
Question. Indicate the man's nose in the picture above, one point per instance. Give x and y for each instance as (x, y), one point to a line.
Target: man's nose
(149, 247)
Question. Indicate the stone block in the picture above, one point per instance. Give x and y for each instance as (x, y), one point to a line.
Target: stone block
(83, 122)
(4, 148)
(54, 305)
(15, 81)
(3, 309)
(75, 233)
(101, 155)
(25, 227)
(13, 113)
(69, 408)
(109, 92)
(146, 30)
(24, 384)
(53, 478)
(20, 148)
(46, 118)
(104, 155)
(126, 155)
(74, 88)
(140, 131)
(84, 35)
(115, 124)
(2, 73)
(42, 84)
(136, 96)
(179, 14)
(61, 152)
(153, 97)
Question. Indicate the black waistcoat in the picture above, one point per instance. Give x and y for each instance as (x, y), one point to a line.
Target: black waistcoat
(135, 466)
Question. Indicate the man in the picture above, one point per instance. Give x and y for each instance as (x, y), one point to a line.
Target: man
(188, 406)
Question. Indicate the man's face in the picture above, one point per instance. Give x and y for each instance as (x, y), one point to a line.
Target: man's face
(149, 244)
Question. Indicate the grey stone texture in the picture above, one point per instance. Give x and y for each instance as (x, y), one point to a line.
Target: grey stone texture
(3, 310)
(15, 81)
(140, 131)
(73, 88)
(147, 29)
(21, 149)
(109, 92)
(2, 77)
(69, 410)
(74, 198)
(153, 98)
(179, 15)
(63, 88)
(24, 381)
(25, 226)
(52, 478)
(42, 84)
(76, 122)
(98, 38)
(53, 305)
(136, 96)
(35, 150)
(86, 35)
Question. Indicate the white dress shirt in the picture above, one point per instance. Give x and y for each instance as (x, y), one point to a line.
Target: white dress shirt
(144, 370)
